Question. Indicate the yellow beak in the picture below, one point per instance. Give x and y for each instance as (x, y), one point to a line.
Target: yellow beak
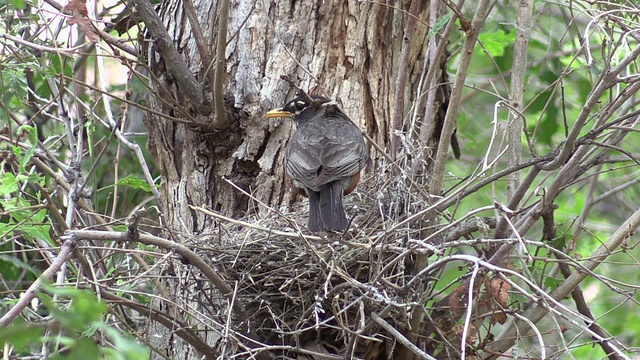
(278, 113)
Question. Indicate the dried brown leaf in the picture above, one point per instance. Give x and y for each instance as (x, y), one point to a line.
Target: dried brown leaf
(499, 290)
(80, 17)
(456, 299)
(472, 333)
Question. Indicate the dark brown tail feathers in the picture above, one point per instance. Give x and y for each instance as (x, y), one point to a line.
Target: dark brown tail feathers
(331, 210)
(314, 224)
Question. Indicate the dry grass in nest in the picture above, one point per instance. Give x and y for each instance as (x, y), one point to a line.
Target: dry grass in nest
(316, 292)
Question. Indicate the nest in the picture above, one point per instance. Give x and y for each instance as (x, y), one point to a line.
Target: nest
(319, 293)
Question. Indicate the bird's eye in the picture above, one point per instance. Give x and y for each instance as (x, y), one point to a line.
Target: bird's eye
(300, 105)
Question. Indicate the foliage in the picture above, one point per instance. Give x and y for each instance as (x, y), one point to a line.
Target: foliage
(79, 327)
(40, 163)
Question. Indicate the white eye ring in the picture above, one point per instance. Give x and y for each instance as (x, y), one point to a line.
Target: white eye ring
(300, 105)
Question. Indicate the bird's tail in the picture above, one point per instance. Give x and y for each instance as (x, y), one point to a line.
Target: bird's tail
(331, 210)
(314, 223)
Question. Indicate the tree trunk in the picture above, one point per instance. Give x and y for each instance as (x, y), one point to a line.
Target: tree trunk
(345, 50)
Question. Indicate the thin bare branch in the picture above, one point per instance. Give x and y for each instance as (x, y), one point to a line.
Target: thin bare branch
(401, 338)
(65, 254)
(220, 120)
(189, 255)
(518, 73)
(506, 339)
(398, 108)
(456, 94)
(189, 85)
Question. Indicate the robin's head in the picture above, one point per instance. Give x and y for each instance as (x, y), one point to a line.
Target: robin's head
(303, 106)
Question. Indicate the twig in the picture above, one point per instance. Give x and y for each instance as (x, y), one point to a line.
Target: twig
(465, 25)
(220, 120)
(187, 253)
(227, 326)
(427, 128)
(550, 233)
(401, 338)
(606, 80)
(205, 58)
(514, 127)
(505, 340)
(574, 163)
(60, 51)
(96, 161)
(253, 226)
(134, 220)
(176, 65)
(469, 311)
(177, 326)
(398, 110)
(66, 251)
(300, 91)
(297, 349)
(119, 43)
(456, 94)
(537, 333)
(135, 148)
(300, 235)
(198, 36)
(514, 200)
(132, 103)
(448, 126)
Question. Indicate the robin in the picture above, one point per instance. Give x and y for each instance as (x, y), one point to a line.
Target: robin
(324, 157)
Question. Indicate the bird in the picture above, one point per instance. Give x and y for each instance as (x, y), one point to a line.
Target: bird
(324, 157)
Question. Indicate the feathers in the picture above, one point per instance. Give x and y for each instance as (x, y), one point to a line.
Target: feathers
(331, 211)
(326, 150)
(325, 153)
(314, 224)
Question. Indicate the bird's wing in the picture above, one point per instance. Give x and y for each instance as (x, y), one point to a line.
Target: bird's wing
(344, 158)
(324, 151)
(302, 161)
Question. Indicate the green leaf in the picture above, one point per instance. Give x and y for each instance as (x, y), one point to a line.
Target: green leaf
(38, 228)
(560, 242)
(496, 42)
(31, 134)
(41, 85)
(588, 351)
(79, 349)
(38, 231)
(8, 184)
(125, 345)
(440, 24)
(18, 4)
(135, 183)
(9, 264)
(15, 86)
(85, 309)
(40, 216)
(15, 206)
(551, 283)
(61, 64)
(20, 336)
